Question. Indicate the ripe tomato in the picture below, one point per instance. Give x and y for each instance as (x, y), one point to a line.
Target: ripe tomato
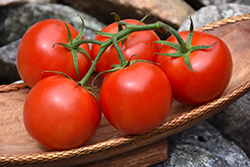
(60, 114)
(212, 69)
(35, 52)
(137, 98)
(137, 43)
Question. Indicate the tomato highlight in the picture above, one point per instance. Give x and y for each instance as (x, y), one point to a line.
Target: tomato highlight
(137, 98)
(199, 69)
(137, 43)
(37, 52)
(60, 114)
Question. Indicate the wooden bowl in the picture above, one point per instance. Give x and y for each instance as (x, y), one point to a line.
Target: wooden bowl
(18, 148)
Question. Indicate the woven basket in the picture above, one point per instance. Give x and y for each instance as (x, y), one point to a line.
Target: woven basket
(18, 148)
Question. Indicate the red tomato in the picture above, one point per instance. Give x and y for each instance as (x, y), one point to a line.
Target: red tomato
(59, 114)
(136, 99)
(137, 43)
(36, 54)
(212, 69)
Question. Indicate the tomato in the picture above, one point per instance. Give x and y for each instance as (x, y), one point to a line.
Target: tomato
(137, 98)
(137, 43)
(212, 69)
(60, 114)
(35, 52)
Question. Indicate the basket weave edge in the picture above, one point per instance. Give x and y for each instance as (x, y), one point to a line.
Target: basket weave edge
(223, 22)
(114, 143)
(13, 87)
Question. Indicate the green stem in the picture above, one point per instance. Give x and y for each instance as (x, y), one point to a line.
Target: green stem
(183, 49)
(129, 28)
(86, 77)
(121, 57)
(133, 28)
(182, 44)
(77, 43)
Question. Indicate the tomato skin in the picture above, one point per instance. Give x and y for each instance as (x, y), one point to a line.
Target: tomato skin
(59, 114)
(136, 99)
(35, 52)
(212, 70)
(137, 43)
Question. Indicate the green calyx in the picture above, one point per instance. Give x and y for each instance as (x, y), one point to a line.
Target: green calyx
(121, 36)
(116, 67)
(73, 47)
(183, 49)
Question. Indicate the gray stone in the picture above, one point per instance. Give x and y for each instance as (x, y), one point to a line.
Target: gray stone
(169, 11)
(202, 17)
(8, 71)
(20, 2)
(239, 9)
(233, 122)
(211, 13)
(203, 146)
(15, 21)
(214, 2)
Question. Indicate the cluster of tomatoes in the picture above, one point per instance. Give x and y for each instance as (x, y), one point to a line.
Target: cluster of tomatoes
(61, 113)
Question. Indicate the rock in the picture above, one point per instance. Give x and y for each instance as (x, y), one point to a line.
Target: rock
(15, 21)
(19, 2)
(233, 122)
(211, 13)
(223, 5)
(202, 17)
(8, 72)
(169, 11)
(239, 9)
(203, 145)
(214, 2)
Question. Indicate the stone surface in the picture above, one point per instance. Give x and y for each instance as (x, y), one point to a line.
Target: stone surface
(169, 11)
(19, 2)
(222, 5)
(21, 18)
(214, 2)
(211, 13)
(233, 122)
(15, 21)
(8, 71)
(203, 146)
(201, 17)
